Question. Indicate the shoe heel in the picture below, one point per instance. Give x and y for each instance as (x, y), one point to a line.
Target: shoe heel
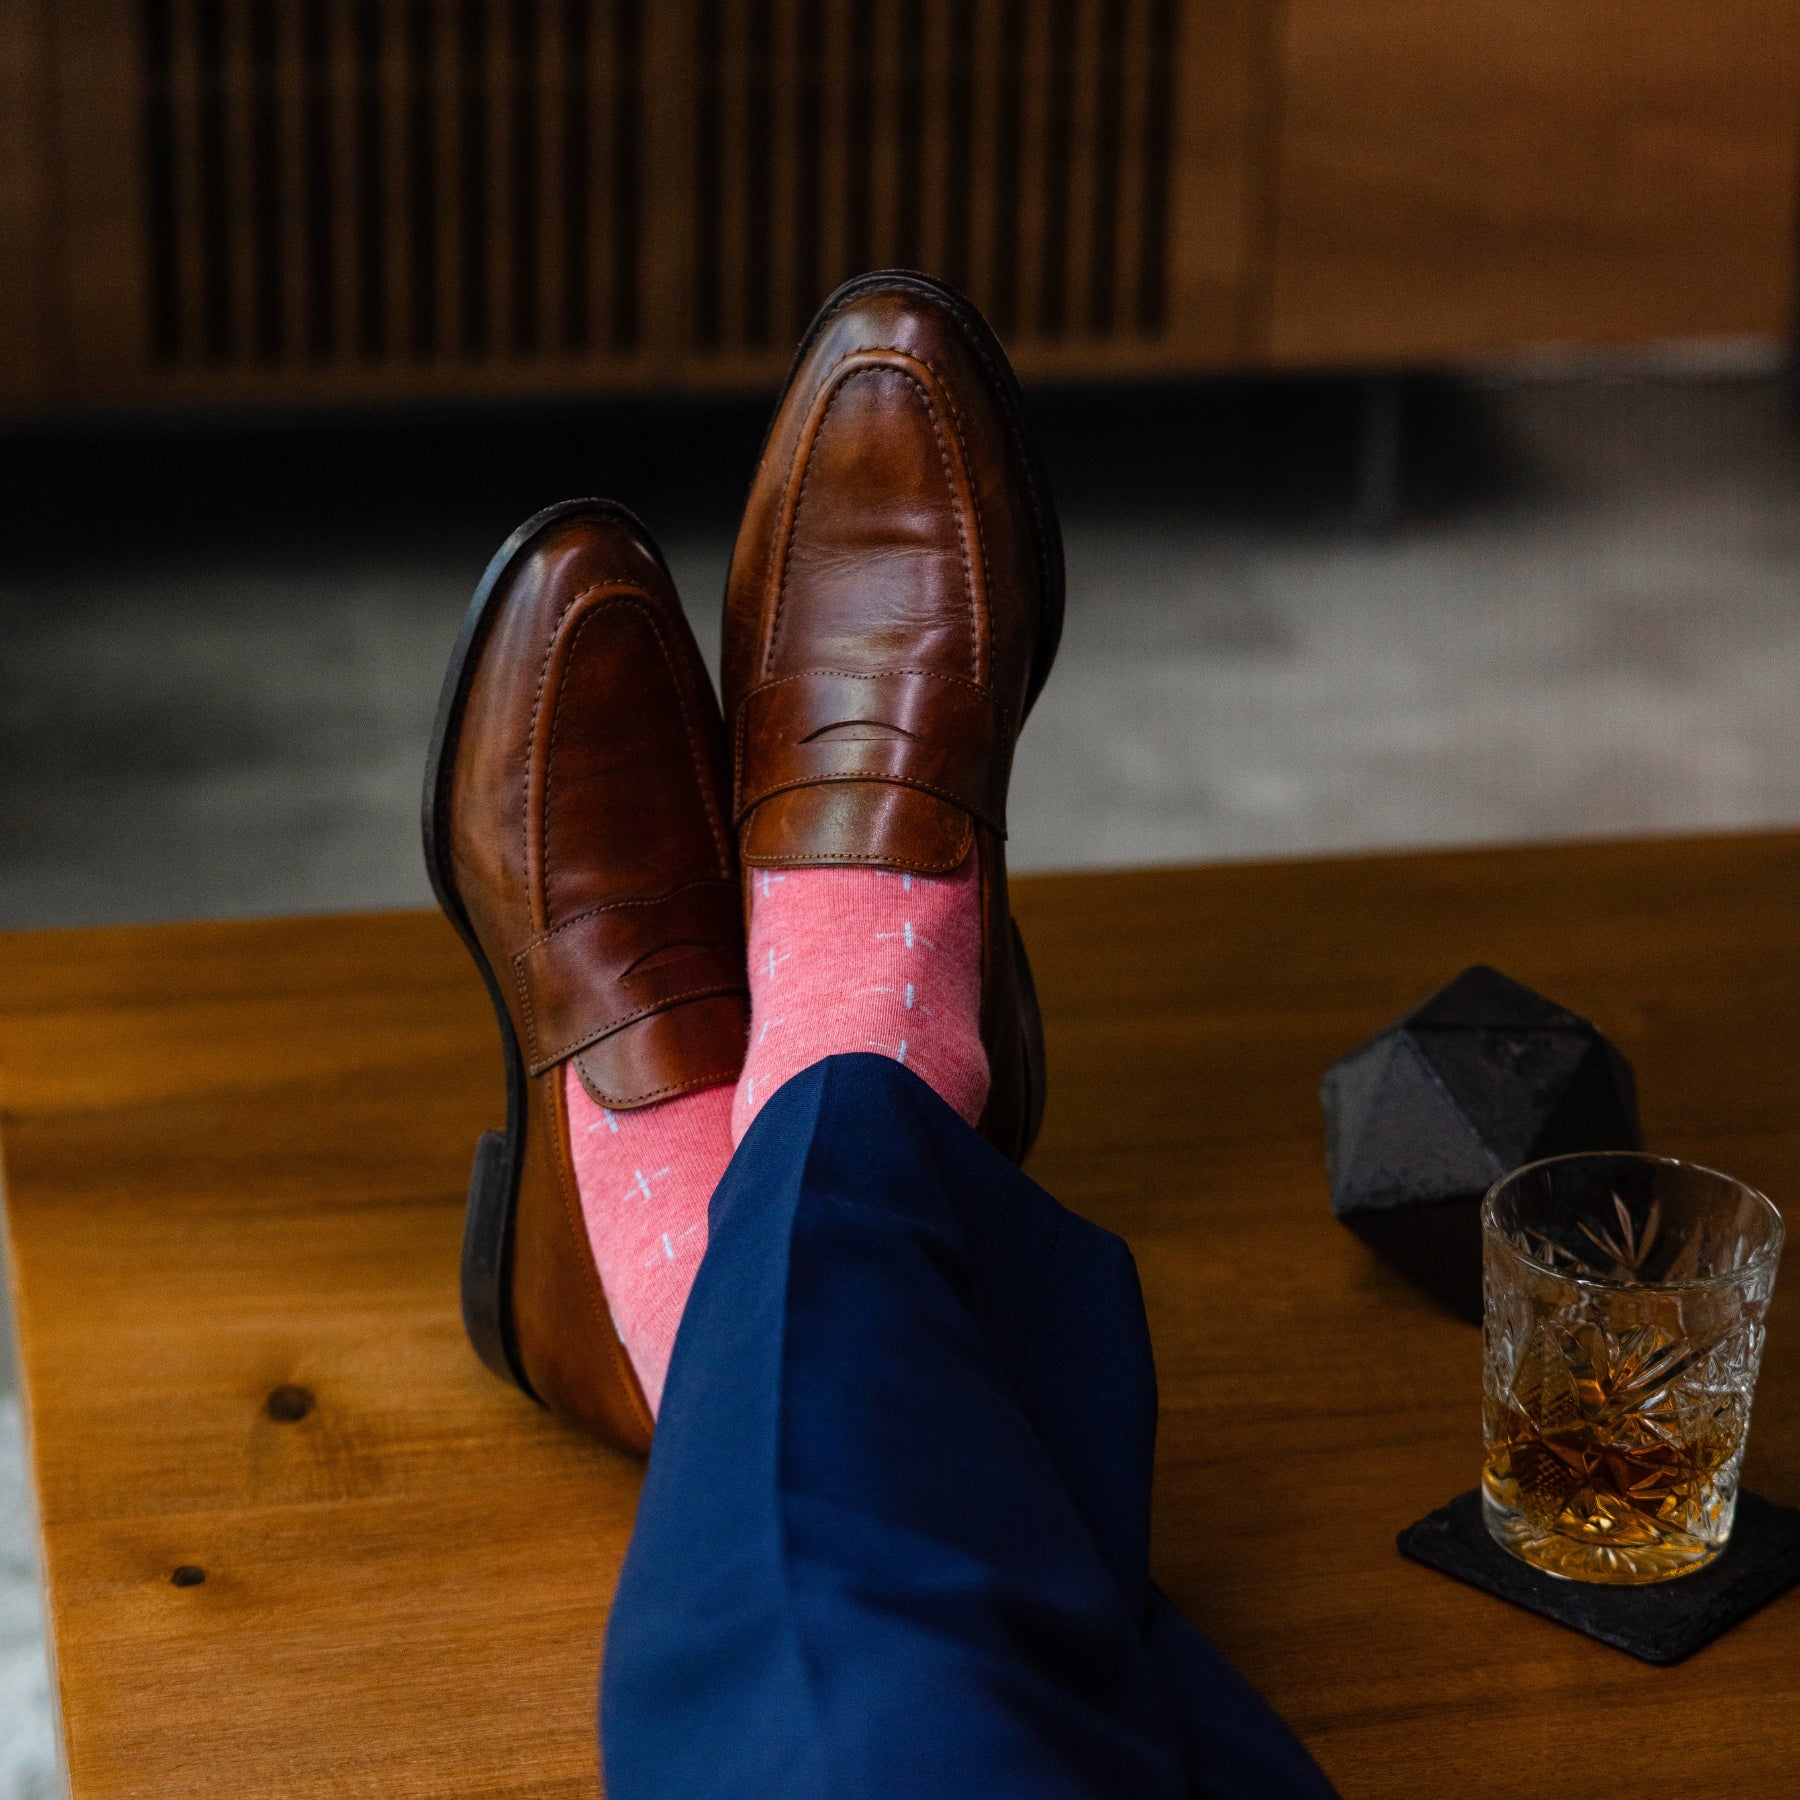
(493, 1182)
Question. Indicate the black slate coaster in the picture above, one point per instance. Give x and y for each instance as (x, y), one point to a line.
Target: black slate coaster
(1661, 1623)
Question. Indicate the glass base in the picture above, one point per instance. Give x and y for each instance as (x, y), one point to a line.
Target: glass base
(1664, 1558)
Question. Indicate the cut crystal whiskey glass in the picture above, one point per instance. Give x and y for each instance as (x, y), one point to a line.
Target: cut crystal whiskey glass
(1624, 1300)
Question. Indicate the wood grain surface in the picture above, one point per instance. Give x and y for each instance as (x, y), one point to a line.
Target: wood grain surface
(235, 1156)
(1457, 179)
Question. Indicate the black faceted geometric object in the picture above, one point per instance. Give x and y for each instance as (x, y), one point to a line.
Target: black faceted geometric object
(1423, 1119)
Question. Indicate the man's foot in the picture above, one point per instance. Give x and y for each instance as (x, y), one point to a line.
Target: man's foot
(893, 610)
(576, 838)
(865, 959)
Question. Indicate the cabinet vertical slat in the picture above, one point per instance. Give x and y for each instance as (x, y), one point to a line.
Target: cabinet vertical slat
(837, 98)
(1112, 297)
(1038, 168)
(286, 227)
(27, 235)
(637, 213)
(547, 247)
(886, 50)
(189, 260)
(392, 85)
(1085, 165)
(497, 258)
(931, 157)
(371, 152)
(785, 188)
(986, 82)
(670, 327)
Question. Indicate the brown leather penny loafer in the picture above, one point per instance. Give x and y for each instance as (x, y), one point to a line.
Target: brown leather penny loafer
(894, 606)
(576, 837)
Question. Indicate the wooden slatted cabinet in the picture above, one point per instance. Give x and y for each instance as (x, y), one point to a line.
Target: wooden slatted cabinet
(268, 200)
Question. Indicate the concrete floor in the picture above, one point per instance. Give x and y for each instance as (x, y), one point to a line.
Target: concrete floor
(219, 654)
(220, 650)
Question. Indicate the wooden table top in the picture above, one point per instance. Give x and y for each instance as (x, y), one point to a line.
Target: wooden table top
(235, 1156)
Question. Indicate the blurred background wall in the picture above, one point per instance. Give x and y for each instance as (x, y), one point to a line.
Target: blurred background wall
(281, 200)
(1414, 379)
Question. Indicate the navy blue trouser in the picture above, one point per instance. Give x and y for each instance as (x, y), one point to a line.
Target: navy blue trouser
(893, 1538)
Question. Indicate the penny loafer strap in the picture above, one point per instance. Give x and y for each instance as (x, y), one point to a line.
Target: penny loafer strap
(604, 968)
(909, 727)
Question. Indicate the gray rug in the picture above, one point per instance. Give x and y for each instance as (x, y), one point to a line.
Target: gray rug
(28, 1768)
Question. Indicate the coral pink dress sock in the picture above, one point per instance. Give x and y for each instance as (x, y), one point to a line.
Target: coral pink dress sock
(861, 959)
(645, 1178)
